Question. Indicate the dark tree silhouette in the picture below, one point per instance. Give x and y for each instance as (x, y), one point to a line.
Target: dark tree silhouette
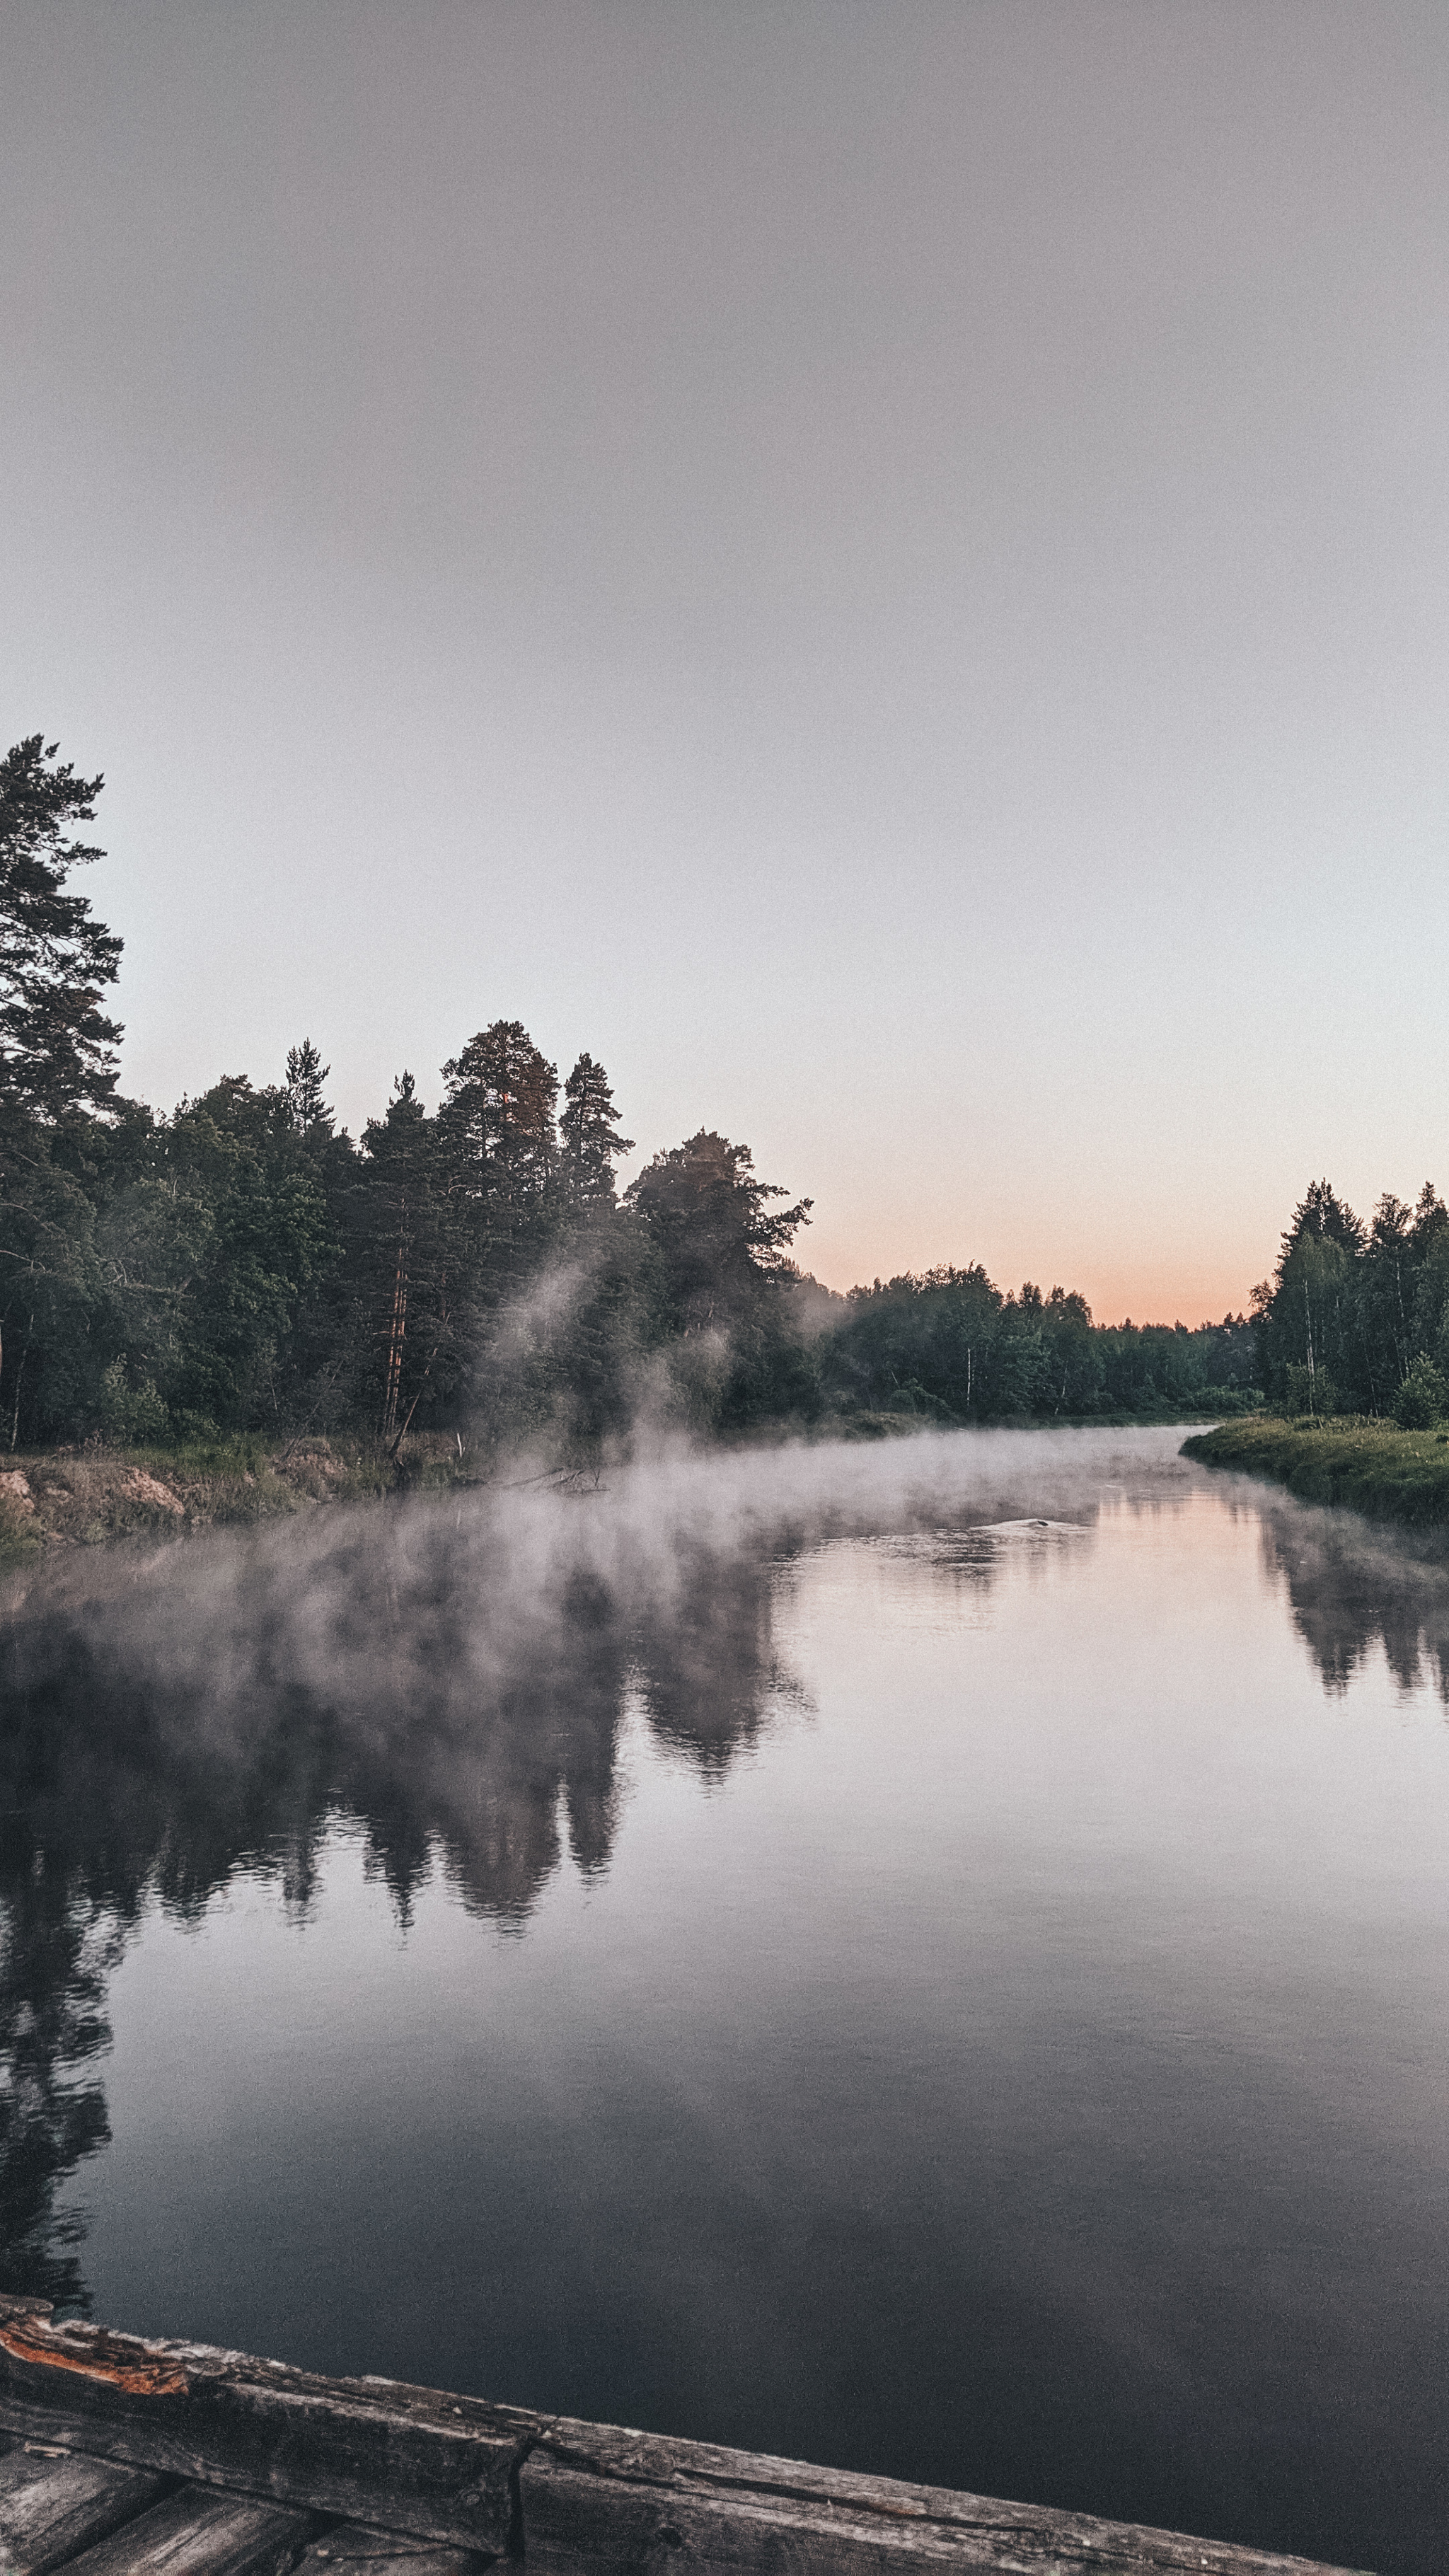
(707, 1214)
(57, 1048)
(589, 1139)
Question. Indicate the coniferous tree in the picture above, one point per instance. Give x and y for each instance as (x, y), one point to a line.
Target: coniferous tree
(406, 1264)
(265, 1237)
(1308, 1314)
(1323, 1215)
(706, 1212)
(1387, 1275)
(589, 1140)
(306, 1102)
(312, 1356)
(57, 1070)
(498, 1133)
(57, 1048)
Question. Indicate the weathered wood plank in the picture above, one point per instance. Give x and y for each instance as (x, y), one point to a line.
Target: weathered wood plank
(53, 2507)
(444, 2464)
(413, 2467)
(597, 2501)
(196, 2533)
(347, 2547)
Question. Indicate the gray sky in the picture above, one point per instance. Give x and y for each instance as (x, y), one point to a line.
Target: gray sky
(881, 567)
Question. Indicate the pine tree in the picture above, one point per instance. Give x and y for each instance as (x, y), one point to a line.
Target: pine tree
(307, 1109)
(1322, 1213)
(57, 1049)
(706, 1212)
(589, 1140)
(404, 1260)
(499, 1135)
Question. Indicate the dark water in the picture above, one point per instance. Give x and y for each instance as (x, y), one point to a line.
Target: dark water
(752, 1954)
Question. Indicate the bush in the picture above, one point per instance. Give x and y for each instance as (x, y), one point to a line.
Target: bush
(1423, 1397)
(1315, 1394)
(19, 1537)
(129, 1415)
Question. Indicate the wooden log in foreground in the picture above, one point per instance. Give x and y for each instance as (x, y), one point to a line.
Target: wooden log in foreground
(121, 2457)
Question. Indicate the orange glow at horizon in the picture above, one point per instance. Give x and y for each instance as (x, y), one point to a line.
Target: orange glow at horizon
(1163, 1291)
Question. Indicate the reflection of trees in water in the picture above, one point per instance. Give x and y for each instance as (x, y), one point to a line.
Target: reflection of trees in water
(449, 1681)
(706, 1668)
(56, 1951)
(162, 1739)
(1351, 1588)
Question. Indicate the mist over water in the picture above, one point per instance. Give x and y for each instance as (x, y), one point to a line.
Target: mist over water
(929, 1956)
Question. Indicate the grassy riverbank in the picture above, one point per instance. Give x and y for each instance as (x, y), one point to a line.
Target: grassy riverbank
(1366, 1465)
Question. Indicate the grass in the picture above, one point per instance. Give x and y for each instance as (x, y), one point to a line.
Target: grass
(1365, 1465)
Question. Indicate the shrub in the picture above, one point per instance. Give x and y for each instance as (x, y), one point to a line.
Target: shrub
(1423, 1397)
(130, 1415)
(1314, 1394)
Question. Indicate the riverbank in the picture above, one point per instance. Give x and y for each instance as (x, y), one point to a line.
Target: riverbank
(55, 1499)
(1366, 1466)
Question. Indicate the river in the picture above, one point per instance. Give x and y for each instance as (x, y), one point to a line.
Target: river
(930, 1958)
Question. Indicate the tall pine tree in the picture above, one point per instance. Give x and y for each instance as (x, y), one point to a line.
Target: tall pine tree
(498, 1132)
(57, 1048)
(589, 1140)
(405, 1262)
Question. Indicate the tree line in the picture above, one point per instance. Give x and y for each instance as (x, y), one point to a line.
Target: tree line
(1355, 1318)
(243, 1264)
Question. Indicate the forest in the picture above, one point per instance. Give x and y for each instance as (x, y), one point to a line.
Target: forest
(1355, 1319)
(242, 1264)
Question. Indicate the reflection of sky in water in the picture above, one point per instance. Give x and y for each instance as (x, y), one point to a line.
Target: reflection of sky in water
(968, 2004)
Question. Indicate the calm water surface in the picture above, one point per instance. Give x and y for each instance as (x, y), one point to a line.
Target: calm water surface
(753, 1952)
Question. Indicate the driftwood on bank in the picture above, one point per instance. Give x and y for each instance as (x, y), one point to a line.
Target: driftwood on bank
(121, 2457)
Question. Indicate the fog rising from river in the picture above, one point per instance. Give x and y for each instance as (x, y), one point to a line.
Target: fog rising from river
(455, 1607)
(929, 1956)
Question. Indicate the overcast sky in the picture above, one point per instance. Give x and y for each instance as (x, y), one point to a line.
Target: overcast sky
(880, 567)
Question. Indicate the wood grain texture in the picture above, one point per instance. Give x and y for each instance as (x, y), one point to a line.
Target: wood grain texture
(425, 2484)
(347, 2550)
(52, 2508)
(93, 2353)
(597, 2501)
(196, 2533)
(444, 2464)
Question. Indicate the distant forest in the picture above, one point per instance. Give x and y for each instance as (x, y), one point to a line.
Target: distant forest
(241, 1264)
